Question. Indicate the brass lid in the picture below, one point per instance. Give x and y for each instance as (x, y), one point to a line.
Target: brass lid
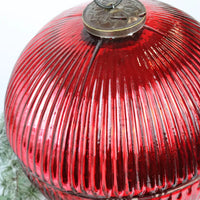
(114, 20)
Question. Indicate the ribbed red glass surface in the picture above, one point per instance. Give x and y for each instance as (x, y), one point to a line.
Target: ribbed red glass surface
(102, 118)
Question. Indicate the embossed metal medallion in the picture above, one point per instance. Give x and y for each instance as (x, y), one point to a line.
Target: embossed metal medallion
(124, 20)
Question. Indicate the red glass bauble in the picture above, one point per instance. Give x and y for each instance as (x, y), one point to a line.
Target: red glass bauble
(109, 118)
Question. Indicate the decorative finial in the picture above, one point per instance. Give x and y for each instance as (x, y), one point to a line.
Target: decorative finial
(111, 5)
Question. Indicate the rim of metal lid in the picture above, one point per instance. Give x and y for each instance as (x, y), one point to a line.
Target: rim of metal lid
(124, 32)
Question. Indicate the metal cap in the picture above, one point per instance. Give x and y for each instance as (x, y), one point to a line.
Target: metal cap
(114, 19)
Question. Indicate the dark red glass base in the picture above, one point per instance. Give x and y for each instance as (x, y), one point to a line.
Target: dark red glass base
(186, 191)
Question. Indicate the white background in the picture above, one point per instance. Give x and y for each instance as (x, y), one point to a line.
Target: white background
(20, 20)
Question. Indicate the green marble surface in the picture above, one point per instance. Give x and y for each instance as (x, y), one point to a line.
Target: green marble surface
(14, 185)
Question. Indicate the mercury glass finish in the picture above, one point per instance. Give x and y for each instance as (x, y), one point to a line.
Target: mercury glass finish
(93, 118)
